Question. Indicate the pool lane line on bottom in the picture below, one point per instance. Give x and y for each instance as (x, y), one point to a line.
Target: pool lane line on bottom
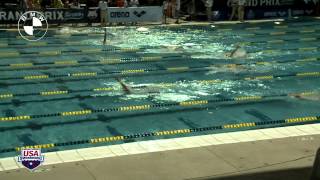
(79, 63)
(138, 60)
(148, 107)
(233, 27)
(9, 54)
(281, 41)
(274, 33)
(60, 36)
(166, 133)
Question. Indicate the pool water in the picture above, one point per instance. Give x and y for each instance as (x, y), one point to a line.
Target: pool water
(180, 76)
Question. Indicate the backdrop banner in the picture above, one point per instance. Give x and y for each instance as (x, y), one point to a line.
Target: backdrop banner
(255, 9)
(86, 15)
(262, 9)
(11, 16)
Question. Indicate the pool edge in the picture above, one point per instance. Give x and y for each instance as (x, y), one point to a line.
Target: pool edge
(143, 147)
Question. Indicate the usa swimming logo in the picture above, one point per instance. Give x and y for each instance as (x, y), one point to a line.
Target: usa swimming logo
(31, 158)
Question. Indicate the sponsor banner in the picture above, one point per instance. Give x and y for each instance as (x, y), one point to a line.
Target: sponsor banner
(255, 9)
(267, 3)
(261, 9)
(52, 15)
(316, 167)
(264, 3)
(135, 14)
(130, 14)
(263, 14)
(93, 14)
(254, 13)
(277, 13)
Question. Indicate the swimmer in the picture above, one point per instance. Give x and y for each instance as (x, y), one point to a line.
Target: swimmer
(105, 36)
(143, 29)
(167, 48)
(227, 68)
(173, 47)
(311, 96)
(238, 52)
(126, 89)
(138, 90)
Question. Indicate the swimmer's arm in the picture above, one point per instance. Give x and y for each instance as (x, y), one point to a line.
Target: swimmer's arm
(234, 51)
(126, 89)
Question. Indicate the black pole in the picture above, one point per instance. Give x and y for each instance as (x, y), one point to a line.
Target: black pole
(165, 16)
(105, 36)
(316, 167)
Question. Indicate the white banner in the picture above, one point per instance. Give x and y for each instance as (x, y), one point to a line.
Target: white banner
(135, 14)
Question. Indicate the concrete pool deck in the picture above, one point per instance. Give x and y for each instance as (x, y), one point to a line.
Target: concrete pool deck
(198, 157)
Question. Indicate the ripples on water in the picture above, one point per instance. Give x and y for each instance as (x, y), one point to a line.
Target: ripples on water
(199, 44)
(184, 90)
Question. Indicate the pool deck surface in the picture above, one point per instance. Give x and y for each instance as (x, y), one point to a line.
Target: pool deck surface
(295, 147)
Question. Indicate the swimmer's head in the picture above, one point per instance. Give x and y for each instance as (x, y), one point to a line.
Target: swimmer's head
(231, 66)
(143, 29)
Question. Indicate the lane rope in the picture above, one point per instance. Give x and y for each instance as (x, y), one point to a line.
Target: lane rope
(138, 60)
(144, 107)
(176, 132)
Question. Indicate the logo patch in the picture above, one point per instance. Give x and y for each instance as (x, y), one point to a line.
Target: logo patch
(139, 14)
(31, 158)
(32, 26)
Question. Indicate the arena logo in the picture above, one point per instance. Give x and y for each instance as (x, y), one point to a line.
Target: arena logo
(260, 2)
(15, 15)
(301, 12)
(251, 14)
(119, 14)
(314, 1)
(92, 14)
(73, 15)
(275, 14)
(139, 14)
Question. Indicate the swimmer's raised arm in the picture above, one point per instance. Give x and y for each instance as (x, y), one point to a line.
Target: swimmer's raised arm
(234, 51)
(126, 89)
(238, 52)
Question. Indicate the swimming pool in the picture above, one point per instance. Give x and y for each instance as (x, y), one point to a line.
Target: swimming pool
(61, 93)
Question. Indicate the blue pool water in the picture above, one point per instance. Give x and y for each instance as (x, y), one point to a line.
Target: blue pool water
(146, 60)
